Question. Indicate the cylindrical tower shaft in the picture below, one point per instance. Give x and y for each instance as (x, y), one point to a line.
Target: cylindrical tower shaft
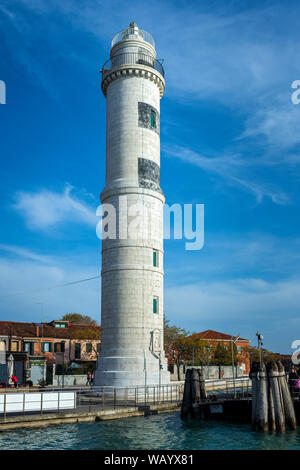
(132, 256)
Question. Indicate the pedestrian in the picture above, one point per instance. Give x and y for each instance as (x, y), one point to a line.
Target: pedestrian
(88, 379)
(14, 381)
(92, 378)
(293, 380)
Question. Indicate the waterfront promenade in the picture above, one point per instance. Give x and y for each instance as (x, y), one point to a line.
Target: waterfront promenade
(96, 404)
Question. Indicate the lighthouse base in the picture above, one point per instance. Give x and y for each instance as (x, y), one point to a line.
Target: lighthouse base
(131, 371)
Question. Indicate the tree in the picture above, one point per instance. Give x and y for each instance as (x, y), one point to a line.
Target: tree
(223, 355)
(174, 343)
(266, 356)
(200, 350)
(78, 319)
(171, 334)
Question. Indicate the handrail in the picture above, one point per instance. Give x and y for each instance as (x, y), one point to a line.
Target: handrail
(139, 33)
(133, 58)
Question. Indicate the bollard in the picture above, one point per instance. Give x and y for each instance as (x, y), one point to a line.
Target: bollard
(187, 395)
(203, 394)
(277, 396)
(288, 404)
(271, 410)
(195, 386)
(253, 376)
(261, 421)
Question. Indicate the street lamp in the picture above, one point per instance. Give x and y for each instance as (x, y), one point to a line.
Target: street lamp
(233, 340)
(259, 344)
(208, 349)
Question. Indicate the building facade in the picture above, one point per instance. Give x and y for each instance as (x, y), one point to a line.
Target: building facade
(132, 200)
(214, 368)
(48, 345)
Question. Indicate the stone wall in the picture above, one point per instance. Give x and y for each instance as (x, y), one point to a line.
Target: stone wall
(69, 380)
(210, 372)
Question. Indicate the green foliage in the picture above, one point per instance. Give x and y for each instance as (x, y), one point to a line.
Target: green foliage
(78, 319)
(171, 334)
(191, 350)
(223, 354)
(267, 356)
(186, 348)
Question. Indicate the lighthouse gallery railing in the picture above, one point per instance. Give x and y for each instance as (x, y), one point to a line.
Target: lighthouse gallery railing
(133, 58)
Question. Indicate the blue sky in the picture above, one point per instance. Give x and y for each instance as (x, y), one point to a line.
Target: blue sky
(230, 139)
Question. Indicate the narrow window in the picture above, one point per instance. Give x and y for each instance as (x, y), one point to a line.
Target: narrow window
(59, 347)
(88, 347)
(28, 347)
(77, 350)
(46, 347)
(155, 304)
(155, 258)
(152, 119)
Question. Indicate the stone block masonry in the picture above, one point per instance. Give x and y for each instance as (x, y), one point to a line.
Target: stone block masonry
(132, 312)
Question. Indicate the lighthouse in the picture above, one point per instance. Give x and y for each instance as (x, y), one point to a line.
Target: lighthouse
(132, 306)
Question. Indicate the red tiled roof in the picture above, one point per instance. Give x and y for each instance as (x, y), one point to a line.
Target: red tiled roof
(211, 334)
(46, 330)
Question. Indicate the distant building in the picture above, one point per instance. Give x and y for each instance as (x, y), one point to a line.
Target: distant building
(58, 343)
(213, 339)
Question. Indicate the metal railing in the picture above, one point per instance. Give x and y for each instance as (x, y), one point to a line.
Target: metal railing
(133, 58)
(294, 386)
(97, 399)
(132, 33)
(229, 388)
(20, 402)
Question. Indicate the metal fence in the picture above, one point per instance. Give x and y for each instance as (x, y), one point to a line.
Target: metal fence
(133, 58)
(294, 386)
(89, 399)
(229, 388)
(20, 402)
(97, 399)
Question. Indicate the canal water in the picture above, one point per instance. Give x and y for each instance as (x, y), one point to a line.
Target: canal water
(166, 431)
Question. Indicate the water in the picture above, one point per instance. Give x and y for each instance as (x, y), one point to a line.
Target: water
(166, 431)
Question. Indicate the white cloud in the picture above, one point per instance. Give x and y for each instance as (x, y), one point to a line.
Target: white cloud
(226, 53)
(29, 278)
(23, 253)
(237, 284)
(230, 167)
(277, 121)
(45, 209)
(243, 305)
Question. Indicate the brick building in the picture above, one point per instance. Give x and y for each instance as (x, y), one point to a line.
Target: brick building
(56, 343)
(212, 339)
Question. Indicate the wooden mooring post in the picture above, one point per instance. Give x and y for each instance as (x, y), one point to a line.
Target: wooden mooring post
(272, 404)
(194, 391)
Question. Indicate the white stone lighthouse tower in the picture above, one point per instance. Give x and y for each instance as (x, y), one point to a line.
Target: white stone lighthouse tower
(132, 258)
